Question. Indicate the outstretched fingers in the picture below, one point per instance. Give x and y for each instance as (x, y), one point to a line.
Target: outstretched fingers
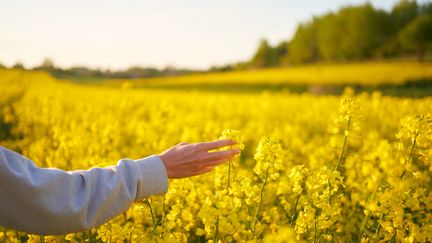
(219, 161)
(206, 146)
(208, 166)
(204, 170)
(210, 163)
(225, 154)
(185, 159)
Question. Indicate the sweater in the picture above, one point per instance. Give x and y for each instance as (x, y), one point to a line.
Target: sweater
(50, 201)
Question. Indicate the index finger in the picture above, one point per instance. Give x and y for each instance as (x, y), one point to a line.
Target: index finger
(215, 144)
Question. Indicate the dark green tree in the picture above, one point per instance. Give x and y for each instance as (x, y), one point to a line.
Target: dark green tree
(304, 47)
(354, 32)
(47, 64)
(264, 56)
(281, 53)
(329, 33)
(18, 65)
(426, 8)
(404, 12)
(417, 35)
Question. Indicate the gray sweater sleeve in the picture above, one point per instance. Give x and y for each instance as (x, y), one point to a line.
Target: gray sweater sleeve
(52, 201)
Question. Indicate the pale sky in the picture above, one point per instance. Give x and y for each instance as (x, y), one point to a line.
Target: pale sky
(157, 33)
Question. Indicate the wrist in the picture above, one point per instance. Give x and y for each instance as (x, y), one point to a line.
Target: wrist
(164, 160)
(153, 178)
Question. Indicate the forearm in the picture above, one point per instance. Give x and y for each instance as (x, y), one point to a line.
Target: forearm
(52, 201)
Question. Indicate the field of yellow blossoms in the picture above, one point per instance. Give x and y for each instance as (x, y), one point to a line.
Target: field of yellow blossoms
(350, 168)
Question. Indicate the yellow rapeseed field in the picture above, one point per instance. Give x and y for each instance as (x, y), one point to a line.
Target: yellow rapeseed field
(362, 73)
(348, 168)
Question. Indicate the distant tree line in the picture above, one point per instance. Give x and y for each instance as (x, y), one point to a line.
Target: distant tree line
(80, 72)
(353, 33)
(132, 72)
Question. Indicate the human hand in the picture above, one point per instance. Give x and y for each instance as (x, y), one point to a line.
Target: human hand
(185, 159)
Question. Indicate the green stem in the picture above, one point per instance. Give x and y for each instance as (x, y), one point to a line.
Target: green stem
(410, 154)
(163, 211)
(377, 231)
(366, 219)
(216, 234)
(363, 225)
(151, 212)
(229, 175)
(393, 239)
(294, 216)
(344, 144)
(261, 199)
(315, 231)
(330, 195)
(130, 236)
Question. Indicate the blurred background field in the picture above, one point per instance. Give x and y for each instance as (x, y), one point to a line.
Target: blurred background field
(395, 78)
(403, 78)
